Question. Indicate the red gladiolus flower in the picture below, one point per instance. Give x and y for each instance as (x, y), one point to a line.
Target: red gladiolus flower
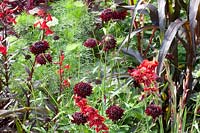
(3, 50)
(43, 23)
(151, 89)
(49, 17)
(145, 73)
(93, 118)
(7, 15)
(60, 71)
(80, 102)
(66, 82)
(48, 32)
(67, 66)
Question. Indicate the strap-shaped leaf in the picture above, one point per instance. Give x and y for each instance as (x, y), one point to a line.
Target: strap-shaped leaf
(161, 14)
(169, 36)
(133, 53)
(193, 9)
(153, 11)
(134, 33)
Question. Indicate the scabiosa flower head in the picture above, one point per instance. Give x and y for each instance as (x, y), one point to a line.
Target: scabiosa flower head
(42, 58)
(114, 112)
(83, 89)
(79, 118)
(106, 15)
(39, 47)
(108, 42)
(153, 110)
(120, 14)
(90, 43)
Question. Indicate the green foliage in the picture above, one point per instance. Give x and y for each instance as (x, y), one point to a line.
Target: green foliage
(39, 102)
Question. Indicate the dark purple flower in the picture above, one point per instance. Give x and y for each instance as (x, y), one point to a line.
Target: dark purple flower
(108, 42)
(42, 58)
(153, 110)
(83, 89)
(79, 118)
(90, 43)
(120, 14)
(106, 15)
(114, 112)
(39, 47)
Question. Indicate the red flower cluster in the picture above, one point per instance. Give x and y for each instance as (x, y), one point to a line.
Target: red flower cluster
(153, 110)
(83, 89)
(90, 43)
(114, 112)
(43, 23)
(94, 119)
(108, 14)
(145, 74)
(7, 16)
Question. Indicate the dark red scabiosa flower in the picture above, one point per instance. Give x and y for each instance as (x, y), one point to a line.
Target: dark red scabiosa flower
(153, 110)
(42, 58)
(90, 43)
(39, 47)
(114, 112)
(83, 89)
(121, 15)
(79, 118)
(108, 42)
(106, 15)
